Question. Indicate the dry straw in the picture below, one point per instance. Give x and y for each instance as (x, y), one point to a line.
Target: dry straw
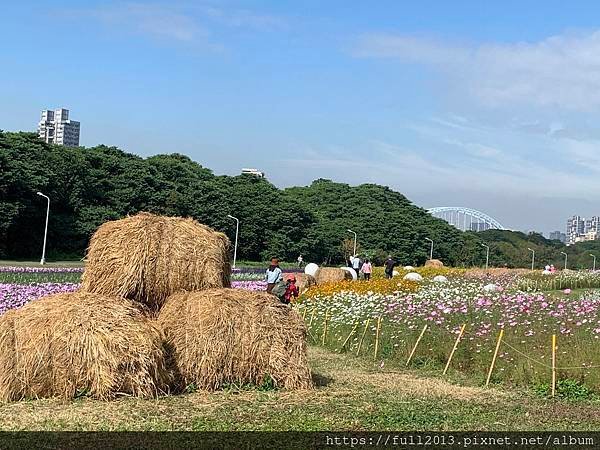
(303, 280)
(332, 275)
(434, 263)
(227, 336)
(74, 344)
(146, 258)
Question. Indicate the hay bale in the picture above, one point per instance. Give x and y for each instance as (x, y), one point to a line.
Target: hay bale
(332, 275)
(434, 263)
(353, 273)
(79, 343)
(303, 280)
(146, 258)
(221, 336)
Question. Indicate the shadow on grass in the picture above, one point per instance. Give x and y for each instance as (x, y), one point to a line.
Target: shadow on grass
(321, 380)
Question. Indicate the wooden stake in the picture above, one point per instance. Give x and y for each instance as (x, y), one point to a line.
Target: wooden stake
(553, 365)
(312, 316)
(462, 329)
(325, 326)
(415, 347)
(487, 382)
(377, 338)
(362, 338)
(350, 335)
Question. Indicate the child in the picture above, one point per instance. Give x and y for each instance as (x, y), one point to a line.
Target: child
(291, 290)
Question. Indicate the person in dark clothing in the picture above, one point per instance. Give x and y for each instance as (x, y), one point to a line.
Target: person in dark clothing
(389, 267)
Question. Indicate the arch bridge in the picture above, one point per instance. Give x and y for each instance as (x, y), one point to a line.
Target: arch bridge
(466, 219)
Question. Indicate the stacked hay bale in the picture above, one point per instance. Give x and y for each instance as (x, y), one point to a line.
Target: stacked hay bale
(221, 336)
(79, 343)
(146, 258)
(104, 340)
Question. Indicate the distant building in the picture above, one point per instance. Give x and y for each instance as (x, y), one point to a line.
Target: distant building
(56, 128)
(254, 172)
(558, 236)
(575, 227)
(589, 236)
(580, 229)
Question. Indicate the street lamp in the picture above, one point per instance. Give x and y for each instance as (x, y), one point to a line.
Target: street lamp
(594, 256)
(487, 255)
(430, 251)
(566, 257)
(350, 231)
(237, 230)
(43, 260)
(532, 257)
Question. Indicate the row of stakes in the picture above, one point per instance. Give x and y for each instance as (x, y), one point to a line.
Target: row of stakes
(414, 349)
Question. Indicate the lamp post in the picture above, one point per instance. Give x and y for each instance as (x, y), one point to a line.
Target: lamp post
(430, 251)
(566, 258)
(350, 231)
(43, 260)
(237, 230)
(487, 255)
(532, 257)
(594, 266)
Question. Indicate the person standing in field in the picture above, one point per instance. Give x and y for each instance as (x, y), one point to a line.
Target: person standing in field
(300, 261)
(389, 267)
(273, 275)
(366, 270)
(356, 265)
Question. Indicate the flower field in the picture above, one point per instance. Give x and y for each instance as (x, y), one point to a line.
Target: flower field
(19, 285)
(528, 306)
(347, 321)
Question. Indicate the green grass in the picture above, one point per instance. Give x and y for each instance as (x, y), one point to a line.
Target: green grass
(11, 263)
(353, 394)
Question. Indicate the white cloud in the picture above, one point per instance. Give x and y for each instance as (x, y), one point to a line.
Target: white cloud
(241, 18)
(179, 22)
(151, 19)
(414, 173)
(561, 71)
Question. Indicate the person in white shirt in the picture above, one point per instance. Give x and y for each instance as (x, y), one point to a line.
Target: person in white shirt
(300, 260)
(356, 265)
(273, 275)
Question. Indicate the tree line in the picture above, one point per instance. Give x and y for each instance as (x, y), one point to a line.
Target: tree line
(88, 186)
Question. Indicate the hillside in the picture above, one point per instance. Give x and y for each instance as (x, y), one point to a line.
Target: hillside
(511, 248)
(88, 186)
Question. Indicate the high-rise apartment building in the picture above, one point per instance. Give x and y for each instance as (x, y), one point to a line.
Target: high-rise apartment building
(580, 229)
(56, 128)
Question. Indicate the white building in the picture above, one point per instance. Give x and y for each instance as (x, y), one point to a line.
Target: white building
(56, 128)
(254, 172)
(589, 236)
(580, 229)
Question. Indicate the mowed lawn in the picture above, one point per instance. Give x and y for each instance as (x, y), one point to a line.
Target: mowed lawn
(353, 394)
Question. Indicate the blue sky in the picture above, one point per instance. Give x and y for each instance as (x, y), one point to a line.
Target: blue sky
(494, 107)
